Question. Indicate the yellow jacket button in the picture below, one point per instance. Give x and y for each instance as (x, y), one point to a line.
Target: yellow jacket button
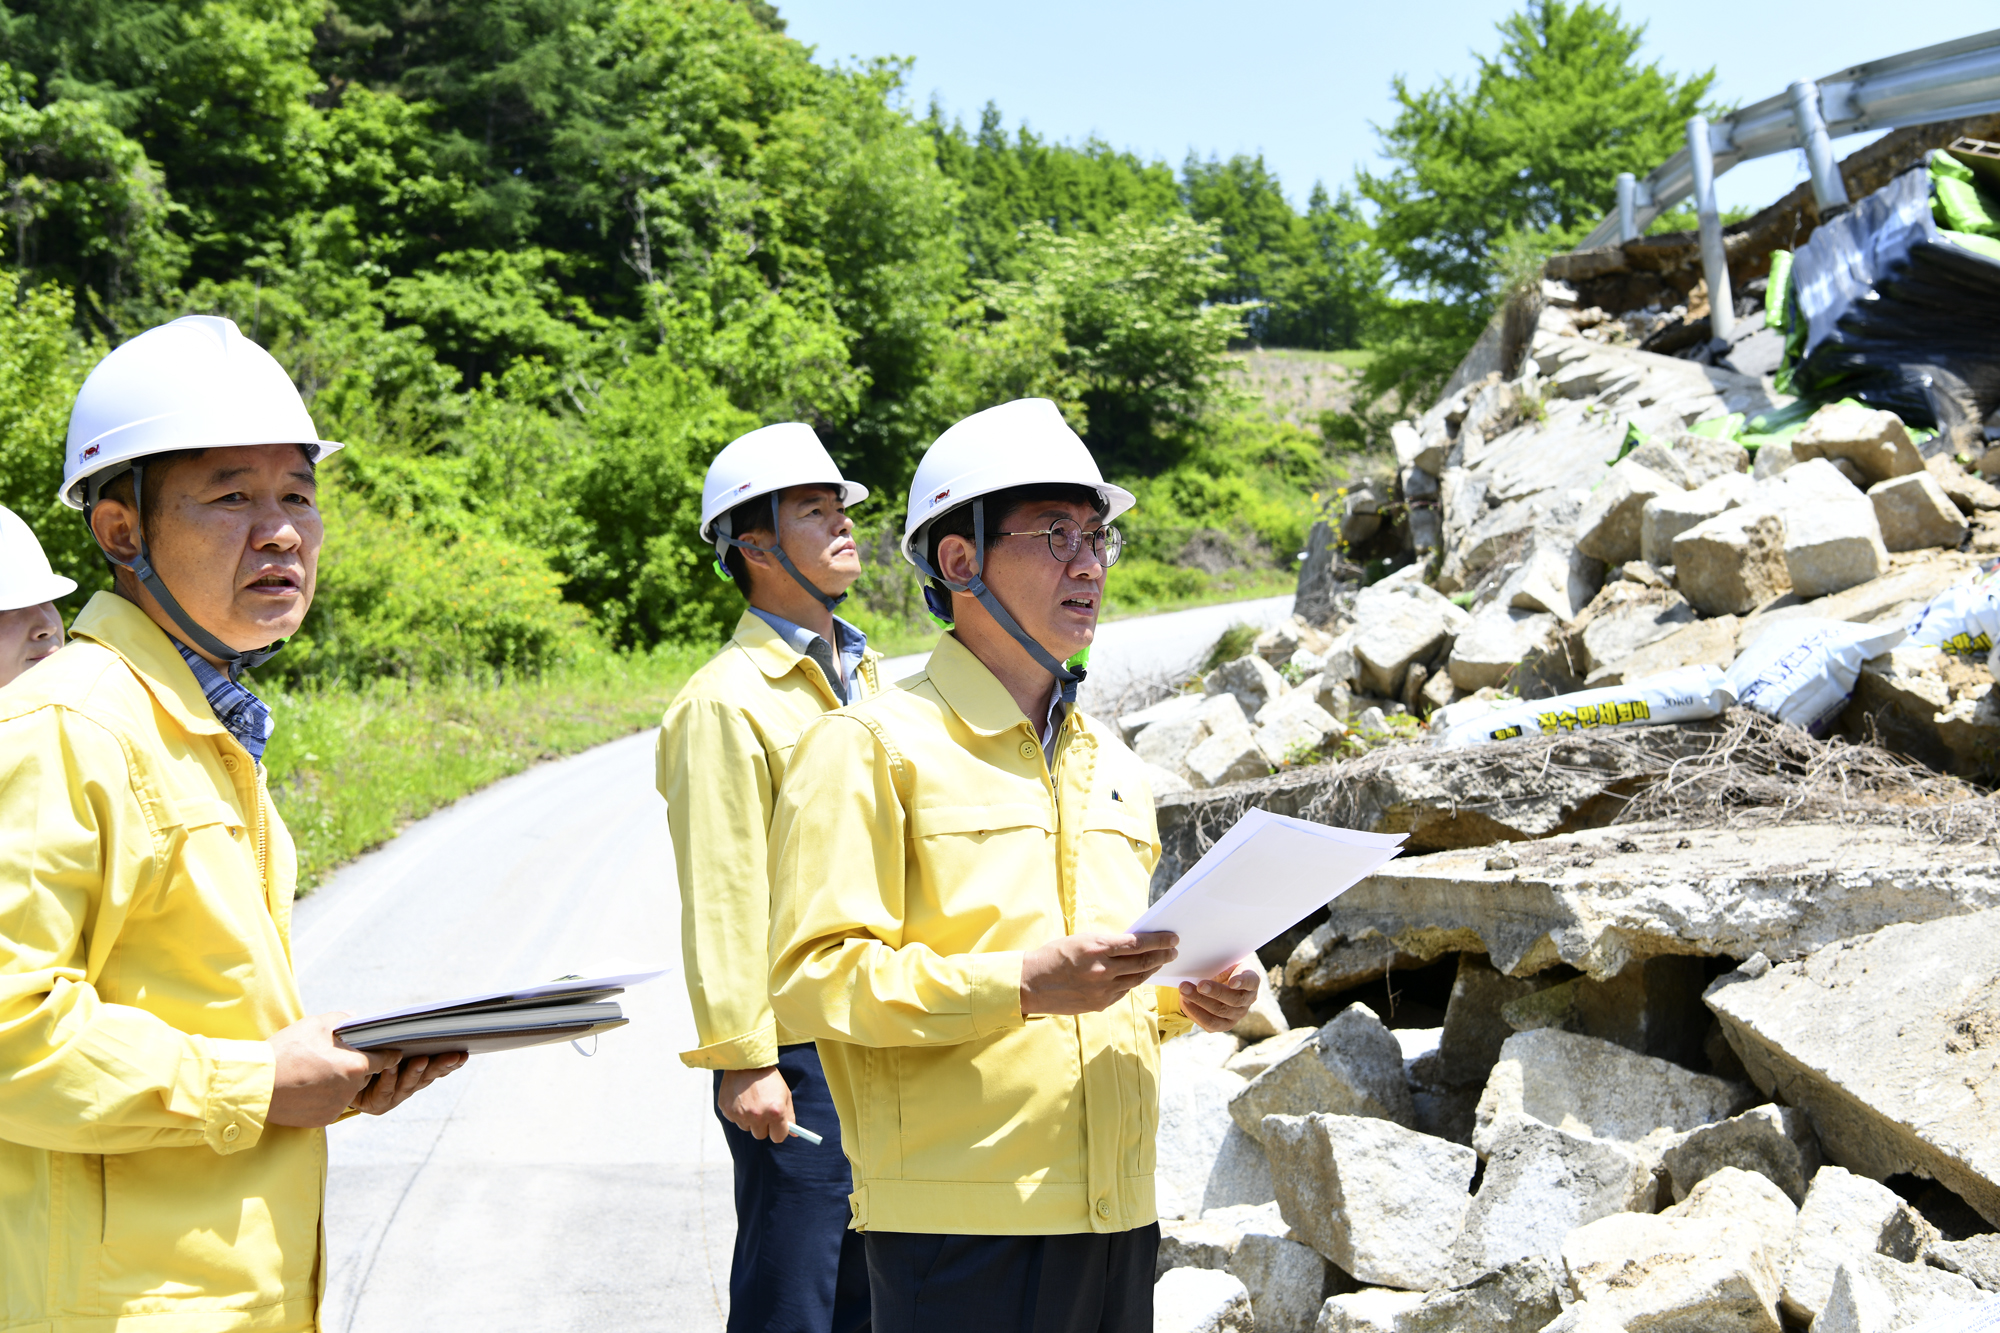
(1029, 749)
(1104, 1207)
(229, 762)
(230, 1133)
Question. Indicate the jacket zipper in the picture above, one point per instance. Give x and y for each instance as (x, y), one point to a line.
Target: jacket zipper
(263, 835)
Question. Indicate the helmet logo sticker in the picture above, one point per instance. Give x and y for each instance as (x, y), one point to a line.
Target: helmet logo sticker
(940, 497)
(88, 454)
(743, 487)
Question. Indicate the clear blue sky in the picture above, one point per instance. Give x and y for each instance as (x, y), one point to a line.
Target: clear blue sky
(1301, 82)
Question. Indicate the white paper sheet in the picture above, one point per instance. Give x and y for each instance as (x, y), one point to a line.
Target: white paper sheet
(1257, 881)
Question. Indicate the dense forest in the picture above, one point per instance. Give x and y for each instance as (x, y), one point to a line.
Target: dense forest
(539, 259)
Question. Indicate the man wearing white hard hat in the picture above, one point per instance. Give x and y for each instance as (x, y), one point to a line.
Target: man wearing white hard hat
(162, 1091)
(30, 628)
(774, 506)
(954, 865)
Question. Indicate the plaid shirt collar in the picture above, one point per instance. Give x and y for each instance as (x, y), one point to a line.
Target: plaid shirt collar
(243, 713)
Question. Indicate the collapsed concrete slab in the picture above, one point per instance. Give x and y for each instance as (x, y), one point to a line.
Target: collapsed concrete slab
(1383, 1202)
(1599, 899)
(1888, 1042)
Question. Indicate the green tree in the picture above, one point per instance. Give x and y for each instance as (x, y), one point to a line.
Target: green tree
(1531, 145)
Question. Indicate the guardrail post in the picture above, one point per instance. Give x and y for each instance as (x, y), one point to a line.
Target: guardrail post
(1628, 206)
(1714, 264)
(1829, 191)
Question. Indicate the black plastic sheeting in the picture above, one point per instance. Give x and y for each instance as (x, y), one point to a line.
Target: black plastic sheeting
(1901, 317)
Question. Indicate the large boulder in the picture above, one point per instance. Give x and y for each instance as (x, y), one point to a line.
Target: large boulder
(1702, 643)
(1203, 1158)
(1709, 1263)
(1540, 1184)
(1876, 442)
(1844, 1216)
(1520, 1298)
(1474, 1026)
(1286, 1280)
(1776, 1142)
(1495, 641)
(1354, 1067)
(1252, 680)
(1132, 725)
(1969, 493)
(1872, 1294)
(1667, 515)
(1832, 539)
(1397, 623)
(1886, 1041)
(1554, 577)
(1621, 620)
(1597, 1088)
(1226, 757)
(1733, 563)
(1201, 1300)
(1383, 1202)
(1914, 512)
(1609, 526)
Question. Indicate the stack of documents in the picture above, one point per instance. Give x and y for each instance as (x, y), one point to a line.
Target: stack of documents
(1260, 879)
(502, 1021)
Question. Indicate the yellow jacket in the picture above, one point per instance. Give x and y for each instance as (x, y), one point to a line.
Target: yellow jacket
(145, 914)
(721, 756)
(919, 849)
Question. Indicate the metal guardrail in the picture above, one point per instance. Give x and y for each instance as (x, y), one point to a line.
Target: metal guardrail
(1942, 82)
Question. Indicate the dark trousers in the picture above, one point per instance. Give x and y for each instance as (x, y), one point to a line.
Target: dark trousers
(1083, 1283)
(797, 1268)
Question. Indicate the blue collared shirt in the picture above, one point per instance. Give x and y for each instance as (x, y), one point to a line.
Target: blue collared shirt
(853, 643)
(246, 717)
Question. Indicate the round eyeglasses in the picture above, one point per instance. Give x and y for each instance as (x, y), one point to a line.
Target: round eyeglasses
(1067, 539)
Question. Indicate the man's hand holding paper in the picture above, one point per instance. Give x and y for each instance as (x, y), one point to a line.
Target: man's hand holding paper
(1260, 878)
(1219, 1004)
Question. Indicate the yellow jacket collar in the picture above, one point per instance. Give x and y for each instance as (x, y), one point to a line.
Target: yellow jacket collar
(117, 624)
(765, 646)
(973, 691)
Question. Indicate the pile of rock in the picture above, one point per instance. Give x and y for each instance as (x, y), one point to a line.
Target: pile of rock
(1604, 1137)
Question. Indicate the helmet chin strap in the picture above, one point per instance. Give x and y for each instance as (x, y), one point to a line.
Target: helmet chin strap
(233, 662)
(777, 552)
(1066, 675)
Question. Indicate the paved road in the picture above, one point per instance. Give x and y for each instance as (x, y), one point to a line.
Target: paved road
(539, 1190)
(1145, 647)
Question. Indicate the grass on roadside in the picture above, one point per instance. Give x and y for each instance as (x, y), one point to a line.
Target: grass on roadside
(350, 768)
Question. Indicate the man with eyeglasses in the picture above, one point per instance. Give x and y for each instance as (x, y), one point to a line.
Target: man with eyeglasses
(954, 864)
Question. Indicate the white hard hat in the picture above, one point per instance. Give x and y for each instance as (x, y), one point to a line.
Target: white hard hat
(196, 383)
(25, 576)
(1022, 443)
(768, 460)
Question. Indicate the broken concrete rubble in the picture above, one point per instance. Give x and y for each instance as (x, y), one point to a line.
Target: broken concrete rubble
(1646, 1008)
(1540, 1184)
(1383, 1202)
(1352, 1068)
(1205, 1160)
(1844, 1216)
(1832, 538)
(1201, 1300)
(1975, 1257)
(1776, 1142)
(1872, 1294)
(1732, 563)
(1494, 642)
(1914, 512)
(1610, 524)
(1710, 1262)
(1711, 642)
(1520, 1298)
(1595, 1088)
(1885, 1041)
(1668, 515)
(1621, 620)
(1250, 679)
(1874, 441)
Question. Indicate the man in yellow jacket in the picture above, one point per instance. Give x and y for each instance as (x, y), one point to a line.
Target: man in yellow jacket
(775, 506)
(162, 1092)
(955, 864)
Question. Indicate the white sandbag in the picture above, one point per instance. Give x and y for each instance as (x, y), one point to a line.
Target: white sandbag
(1802, 671)
(1685, 694)
(1964, 618)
